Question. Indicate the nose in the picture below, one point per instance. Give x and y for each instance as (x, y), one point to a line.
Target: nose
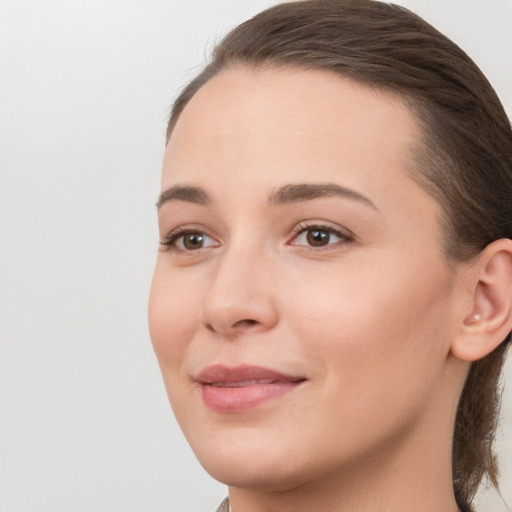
(241, 297)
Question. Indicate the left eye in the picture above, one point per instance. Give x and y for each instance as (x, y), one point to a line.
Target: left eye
(189, 241)
(318, 237)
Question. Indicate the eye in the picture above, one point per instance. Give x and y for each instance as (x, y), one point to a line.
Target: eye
(319, 236)
(188, 240)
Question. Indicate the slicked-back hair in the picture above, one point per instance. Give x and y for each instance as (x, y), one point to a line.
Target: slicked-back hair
(464, 160)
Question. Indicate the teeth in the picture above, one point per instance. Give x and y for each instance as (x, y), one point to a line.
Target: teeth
(241, 383)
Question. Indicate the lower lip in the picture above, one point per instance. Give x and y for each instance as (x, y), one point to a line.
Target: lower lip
(239, 399)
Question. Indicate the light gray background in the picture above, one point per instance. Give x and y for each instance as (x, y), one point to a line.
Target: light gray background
(86, 85)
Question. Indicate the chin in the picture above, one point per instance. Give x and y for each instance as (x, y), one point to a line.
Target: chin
(257, 463)
(260, 473)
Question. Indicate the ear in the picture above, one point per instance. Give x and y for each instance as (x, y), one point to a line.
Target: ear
(488, 319)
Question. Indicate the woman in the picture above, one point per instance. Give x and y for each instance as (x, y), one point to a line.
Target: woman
(332, 300)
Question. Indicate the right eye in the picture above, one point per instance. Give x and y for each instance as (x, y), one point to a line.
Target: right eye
(188, 240)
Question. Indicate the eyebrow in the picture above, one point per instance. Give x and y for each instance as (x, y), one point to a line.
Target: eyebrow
(289, 194)
(297, 193)
(195, 195)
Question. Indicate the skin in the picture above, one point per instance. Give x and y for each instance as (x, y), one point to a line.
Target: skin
(368, 319)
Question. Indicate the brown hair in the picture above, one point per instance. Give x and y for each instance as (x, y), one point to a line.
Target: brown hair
(465, 161)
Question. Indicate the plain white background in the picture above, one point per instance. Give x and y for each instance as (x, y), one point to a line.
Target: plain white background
(86, 86)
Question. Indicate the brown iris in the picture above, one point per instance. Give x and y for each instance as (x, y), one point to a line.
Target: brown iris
(318, 237)
(193, 240)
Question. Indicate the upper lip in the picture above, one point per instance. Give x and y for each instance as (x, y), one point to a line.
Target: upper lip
(220, 374)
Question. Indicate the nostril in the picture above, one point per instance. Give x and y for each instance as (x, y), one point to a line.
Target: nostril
(245, 323)
(240, 325)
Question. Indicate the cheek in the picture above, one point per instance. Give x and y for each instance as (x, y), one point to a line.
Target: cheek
(374, 339)
(374, 323)
(172, 313)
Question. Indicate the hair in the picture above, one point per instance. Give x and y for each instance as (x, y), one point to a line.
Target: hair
(464, 161)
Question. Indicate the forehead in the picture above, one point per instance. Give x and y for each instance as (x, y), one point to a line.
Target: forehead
(249, 132)
(267, 127)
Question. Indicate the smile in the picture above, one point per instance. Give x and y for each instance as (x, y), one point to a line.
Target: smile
(241, 384)
(230, 390)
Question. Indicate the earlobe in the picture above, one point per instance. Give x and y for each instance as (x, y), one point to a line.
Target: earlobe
(489, 321)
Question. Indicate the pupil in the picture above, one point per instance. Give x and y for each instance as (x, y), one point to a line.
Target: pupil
(317, 237)
(193, 241)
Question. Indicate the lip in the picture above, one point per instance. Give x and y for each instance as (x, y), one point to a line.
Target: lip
(237, 389)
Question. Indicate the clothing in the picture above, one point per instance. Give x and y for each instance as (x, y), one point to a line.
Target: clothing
(224, 506)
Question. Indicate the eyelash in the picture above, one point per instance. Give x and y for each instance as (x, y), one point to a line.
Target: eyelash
(170, 241)
(344, 236)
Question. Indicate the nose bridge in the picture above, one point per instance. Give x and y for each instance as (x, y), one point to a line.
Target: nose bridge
(241, 294)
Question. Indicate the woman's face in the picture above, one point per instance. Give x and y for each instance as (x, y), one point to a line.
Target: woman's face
(301, 308)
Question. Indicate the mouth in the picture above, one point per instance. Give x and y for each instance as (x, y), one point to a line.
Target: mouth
(229, 390)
